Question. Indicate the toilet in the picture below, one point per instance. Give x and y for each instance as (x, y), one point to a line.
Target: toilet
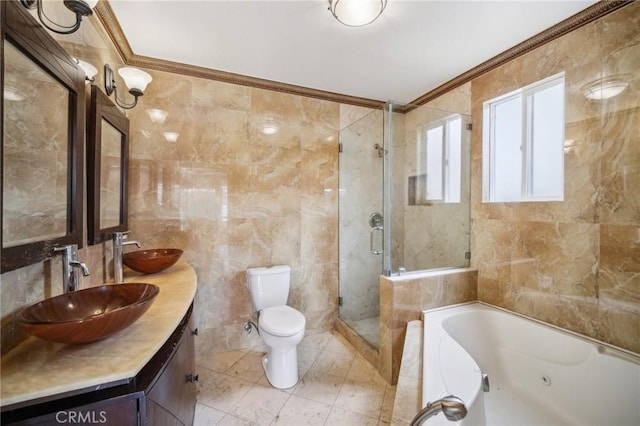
(281, 327)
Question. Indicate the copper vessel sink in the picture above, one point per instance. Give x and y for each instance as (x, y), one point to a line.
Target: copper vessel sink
(151, 261)
(88, 315)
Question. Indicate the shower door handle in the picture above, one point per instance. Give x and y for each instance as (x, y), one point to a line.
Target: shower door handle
(373, 230)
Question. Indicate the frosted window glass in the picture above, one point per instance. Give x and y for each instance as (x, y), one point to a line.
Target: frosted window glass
(523, 140)
(545, 161)
(506, 151)
(434, 163)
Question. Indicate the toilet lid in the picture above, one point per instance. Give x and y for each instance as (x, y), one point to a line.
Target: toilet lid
(281, 321)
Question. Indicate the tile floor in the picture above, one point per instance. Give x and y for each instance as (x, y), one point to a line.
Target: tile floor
(337, 387)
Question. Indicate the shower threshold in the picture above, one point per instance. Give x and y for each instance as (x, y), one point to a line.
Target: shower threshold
(367, 329)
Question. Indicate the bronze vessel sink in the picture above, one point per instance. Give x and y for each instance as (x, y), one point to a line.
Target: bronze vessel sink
(88, 315)
(151, 261)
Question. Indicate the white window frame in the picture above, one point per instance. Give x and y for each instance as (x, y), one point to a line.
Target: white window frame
(488, 141)
(446, 155)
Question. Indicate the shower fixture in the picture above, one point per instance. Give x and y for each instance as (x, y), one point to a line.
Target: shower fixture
(451, 406)
(376, 222)
(380, 149)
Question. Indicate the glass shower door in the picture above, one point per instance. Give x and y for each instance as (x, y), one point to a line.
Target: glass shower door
(361, 224)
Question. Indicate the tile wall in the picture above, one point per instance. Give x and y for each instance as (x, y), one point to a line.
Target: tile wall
(229, 192)
(404, 298)
(235, 197)
(574, 263)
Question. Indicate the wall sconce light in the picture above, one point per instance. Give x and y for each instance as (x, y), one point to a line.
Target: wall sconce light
(79, 7)
(356, 13)
(135, 79)
(606, 87)
(89, 71)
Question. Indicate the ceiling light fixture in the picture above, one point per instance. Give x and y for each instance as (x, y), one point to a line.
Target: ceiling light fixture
(135, 79)
(79, 7)
(356, 13)
(606, 87)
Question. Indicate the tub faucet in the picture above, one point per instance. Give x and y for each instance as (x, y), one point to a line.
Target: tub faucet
(118, 244)
(71, 266)
(451, 406)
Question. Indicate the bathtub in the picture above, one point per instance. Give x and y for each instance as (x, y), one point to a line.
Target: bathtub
(536, 374)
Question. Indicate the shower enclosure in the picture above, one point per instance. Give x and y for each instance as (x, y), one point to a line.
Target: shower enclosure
(403, 205)
(361, 222)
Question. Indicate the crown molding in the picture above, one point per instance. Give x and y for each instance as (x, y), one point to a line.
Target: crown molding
(111, 25)
(254, 82)
(108, 19)
(572, 23)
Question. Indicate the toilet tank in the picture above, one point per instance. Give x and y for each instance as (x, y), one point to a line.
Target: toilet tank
(269, 285)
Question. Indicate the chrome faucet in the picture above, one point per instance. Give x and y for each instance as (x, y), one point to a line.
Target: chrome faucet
(451, 406)
(71, 266)
(118, 244)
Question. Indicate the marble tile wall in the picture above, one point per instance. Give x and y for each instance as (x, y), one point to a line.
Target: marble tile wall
(408, 400)
(238, 197)
(235, 196)
(230, 191)
(403, 298)
(574, 263)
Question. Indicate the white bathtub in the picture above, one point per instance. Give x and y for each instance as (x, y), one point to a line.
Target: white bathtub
(539, 375)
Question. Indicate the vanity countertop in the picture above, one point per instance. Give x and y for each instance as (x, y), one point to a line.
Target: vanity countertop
(37, 369)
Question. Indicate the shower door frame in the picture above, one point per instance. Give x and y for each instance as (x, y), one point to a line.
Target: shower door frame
(365, 236)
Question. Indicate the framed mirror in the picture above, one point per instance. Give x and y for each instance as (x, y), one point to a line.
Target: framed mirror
(107, 162)
(42, 142)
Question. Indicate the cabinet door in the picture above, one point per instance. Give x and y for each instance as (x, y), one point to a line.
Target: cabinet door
(188, 402)
(158, 416)
(175, 388)
(168, 388)
(118, 411)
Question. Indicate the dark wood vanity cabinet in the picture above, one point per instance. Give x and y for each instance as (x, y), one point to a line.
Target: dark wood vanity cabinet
(162, 394)
(174, 392)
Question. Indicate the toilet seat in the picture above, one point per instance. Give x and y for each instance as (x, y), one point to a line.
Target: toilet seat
(281, 321)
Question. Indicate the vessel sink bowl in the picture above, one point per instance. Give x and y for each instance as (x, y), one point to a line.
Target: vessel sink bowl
(88, 315)
(151, 261)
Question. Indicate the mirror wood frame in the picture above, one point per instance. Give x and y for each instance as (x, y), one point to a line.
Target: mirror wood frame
(103, 109)
(27, 35)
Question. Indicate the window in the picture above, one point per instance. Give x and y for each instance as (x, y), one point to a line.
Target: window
(441, 143)
(523, 137)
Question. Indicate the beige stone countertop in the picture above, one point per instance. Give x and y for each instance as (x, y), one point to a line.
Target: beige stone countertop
(37, 369)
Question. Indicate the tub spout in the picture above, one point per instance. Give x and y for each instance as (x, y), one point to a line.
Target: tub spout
(451, 406)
